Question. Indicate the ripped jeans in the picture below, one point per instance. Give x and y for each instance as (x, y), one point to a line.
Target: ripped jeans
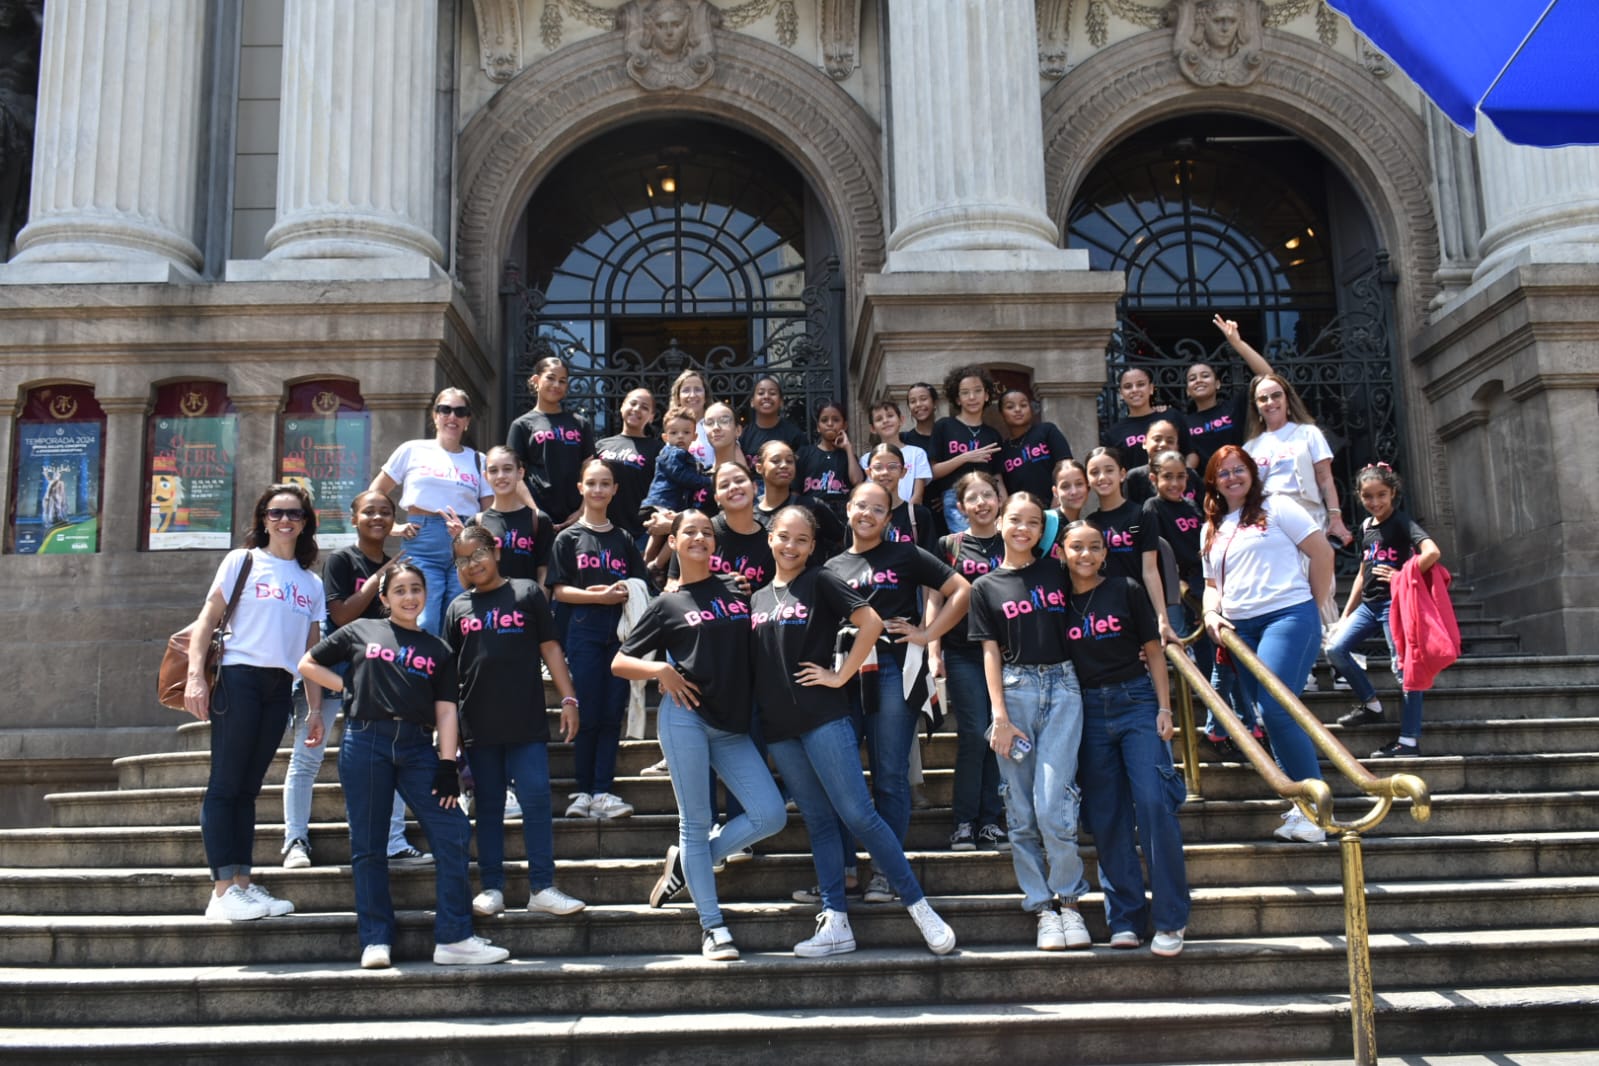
(1040, 792)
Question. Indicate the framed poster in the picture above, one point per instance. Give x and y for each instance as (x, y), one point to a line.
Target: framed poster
(56, 472)
(326, 446)
(193, 440)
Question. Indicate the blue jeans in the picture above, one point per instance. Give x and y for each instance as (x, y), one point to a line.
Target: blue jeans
(693, 747)
(1287, 642)
(432, 552)
(494, 766)
(305, 763)
(1131, 793)
(889, 736)
(953, 519)
(591, 644)
(375, 759)
(1040, 792)
(1361, 625)
(976, 769)
(249, 708)
(822, 770)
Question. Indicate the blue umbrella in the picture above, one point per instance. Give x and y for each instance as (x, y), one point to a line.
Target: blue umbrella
(1530, 65)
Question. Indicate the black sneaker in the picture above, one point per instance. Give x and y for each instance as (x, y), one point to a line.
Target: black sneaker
(1397, 750)
(814, 893)
(993, 838)
(962, 839)
(670, 883)
(1222, 745)
(717, 945)
(1360, 714)
(409, 856)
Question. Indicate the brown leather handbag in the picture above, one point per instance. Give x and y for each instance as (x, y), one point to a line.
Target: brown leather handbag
(173, 677)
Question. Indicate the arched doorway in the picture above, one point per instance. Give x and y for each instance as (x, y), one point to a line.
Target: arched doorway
(1219, 214)
(669, 244)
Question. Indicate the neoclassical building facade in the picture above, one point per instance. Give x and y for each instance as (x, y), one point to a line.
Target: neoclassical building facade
(249, 239)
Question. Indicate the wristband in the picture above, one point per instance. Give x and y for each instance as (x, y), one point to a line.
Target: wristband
(446, 782)
(1334, 510)
(569, 699)
(1162, 710)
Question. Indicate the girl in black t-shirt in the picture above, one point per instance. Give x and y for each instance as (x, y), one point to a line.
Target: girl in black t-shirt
(1131, 791)
(523, 534)
(590, 567)
(921, 400)
(500, 629)
(1216, 419)
(742, 551)
(552, 443)
(963, 439)
(776, 466)
(1018, 616)
(891, 577)
(1139, 485)
(1070, 496)
(1032, 448)
(827, 469)
(402, 688)
(811, 736)
(767, 422)
(1128, 436)
(1389, 539)
(1132, 545)
(699, 638)
(631, 455)
(909, 522)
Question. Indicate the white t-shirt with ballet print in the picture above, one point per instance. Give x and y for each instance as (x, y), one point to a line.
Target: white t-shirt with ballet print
(278, 607)
(432, 478)
(1287, 458)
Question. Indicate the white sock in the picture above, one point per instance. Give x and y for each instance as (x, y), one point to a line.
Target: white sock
(1410, 742)
(1374, 704)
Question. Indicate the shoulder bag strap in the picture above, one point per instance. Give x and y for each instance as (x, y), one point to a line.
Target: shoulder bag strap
(238, 590)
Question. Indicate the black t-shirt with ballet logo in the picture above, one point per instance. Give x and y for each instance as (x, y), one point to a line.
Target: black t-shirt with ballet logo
(1389, 543)
(1178, 525)
(910, 523)
(1023, 611)
(704, 629)
(1029, 460)
(345, 573)
(1223, 424)
(582, 557)
(1140, 485)
(1106, 629)
(823, 475)
(632, 463)
(1128, 436)
(754, 436)
(394, 672)
(953, 438)
(496, 636)
(972, 557)
(891, 577)
(747, 555)
(552, 448)
(525, 539)
(1127, 538)
(796, 624)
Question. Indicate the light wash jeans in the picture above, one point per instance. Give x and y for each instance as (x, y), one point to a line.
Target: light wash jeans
(304, 765)
(693, 747)
(954, 520)
(1351, 634)
(1040, 792)
(431, 550)
(1287, 641)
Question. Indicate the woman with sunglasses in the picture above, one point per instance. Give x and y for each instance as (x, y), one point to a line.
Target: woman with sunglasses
(275, 621)
(441, 483)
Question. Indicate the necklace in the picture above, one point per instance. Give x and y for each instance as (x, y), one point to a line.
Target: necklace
(1082, 612)
(595, 527)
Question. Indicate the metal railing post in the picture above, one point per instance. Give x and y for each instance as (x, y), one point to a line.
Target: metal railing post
(1362, 1006)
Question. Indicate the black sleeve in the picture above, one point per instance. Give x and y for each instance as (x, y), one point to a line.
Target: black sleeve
(1145, 628)
(335, 647)
(649, 633)
(924, 528)
(563, 560)
(338, 578)
(1059, 447)
(838, 596)
(1148, 535)
(458, 609)
(980, 618)
(828, 528)
(543, 622)
(1417, 534)
(929, 570)
(445, 684)
(543, 539)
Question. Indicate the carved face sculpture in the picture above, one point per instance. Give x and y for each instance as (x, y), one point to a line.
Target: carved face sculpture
(669, 25)
(1219, 22)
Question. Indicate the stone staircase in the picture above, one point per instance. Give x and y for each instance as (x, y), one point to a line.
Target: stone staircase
(1485, 927)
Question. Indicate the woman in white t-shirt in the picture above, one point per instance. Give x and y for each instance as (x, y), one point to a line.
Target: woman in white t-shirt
(1292, 454)
(273, 624)
(1255, 585)
(440, 481)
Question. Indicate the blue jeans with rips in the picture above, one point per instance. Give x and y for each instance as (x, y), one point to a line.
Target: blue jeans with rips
(1131, 793)
(375, 760)
(528, 765)
(1040, 792)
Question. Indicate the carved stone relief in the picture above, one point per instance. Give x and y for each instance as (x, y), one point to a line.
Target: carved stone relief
(1218, 42)
(552, 24)
(669, 43)
(1054, 35)
(839, 27)
(499, 34)
(1158, 15)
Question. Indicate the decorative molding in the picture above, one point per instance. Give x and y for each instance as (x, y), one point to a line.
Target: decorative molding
(839, 27)
(509, 146)
(1157, 16)
(668, 42)
(1218, 42)
(551, 24)
(499, 35)
(1054, 37)
(1372, 58)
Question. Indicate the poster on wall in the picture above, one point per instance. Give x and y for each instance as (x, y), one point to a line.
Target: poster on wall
(58, 489)
(191, 481)
(332, 457)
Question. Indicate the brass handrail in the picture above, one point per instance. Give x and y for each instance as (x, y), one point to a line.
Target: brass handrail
(1314, 798)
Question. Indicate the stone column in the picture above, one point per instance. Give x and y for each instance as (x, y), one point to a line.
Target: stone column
(125, 496)
(1541, 204)
(356, 148)
(967, 134)
(1457, 197)
(117, 153)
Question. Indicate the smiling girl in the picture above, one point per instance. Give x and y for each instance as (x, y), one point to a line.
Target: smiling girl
(1133, 545)
(767, 422)
(631, 454)
(1032, 448)
(828, 468)
(524, 535)
(1129, 436)
(551, 442)
(963, 441)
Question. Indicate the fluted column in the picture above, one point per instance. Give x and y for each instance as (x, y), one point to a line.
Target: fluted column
(968, 143)
(117, 154)
(1541, 204)
(356, 145)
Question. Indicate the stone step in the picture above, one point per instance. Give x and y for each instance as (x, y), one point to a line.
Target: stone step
(979, 974)
(81, 940)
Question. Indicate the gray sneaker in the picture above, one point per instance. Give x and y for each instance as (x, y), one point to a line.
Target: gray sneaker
(878, 890)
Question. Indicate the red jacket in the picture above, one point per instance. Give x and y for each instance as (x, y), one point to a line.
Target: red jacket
(1426, 638)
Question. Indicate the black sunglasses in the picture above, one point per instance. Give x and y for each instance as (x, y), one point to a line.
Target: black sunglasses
(278, 514)
(458, 412)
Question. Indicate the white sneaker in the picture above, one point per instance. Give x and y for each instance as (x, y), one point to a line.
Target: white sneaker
(833, 936)
(1296, 827)
(235, 905)
(733, 859)
(1169, 944)
(473, 951)
(375, 957)
(717, 945)
(513, 806)
(553, 901)
(656, 769)
(939, 936)
(1051, 934)
(297, 856)
(579, 807)
(606, 805)
(1124, 940)
(276, 908)
(1076, 930)
(488, 903)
